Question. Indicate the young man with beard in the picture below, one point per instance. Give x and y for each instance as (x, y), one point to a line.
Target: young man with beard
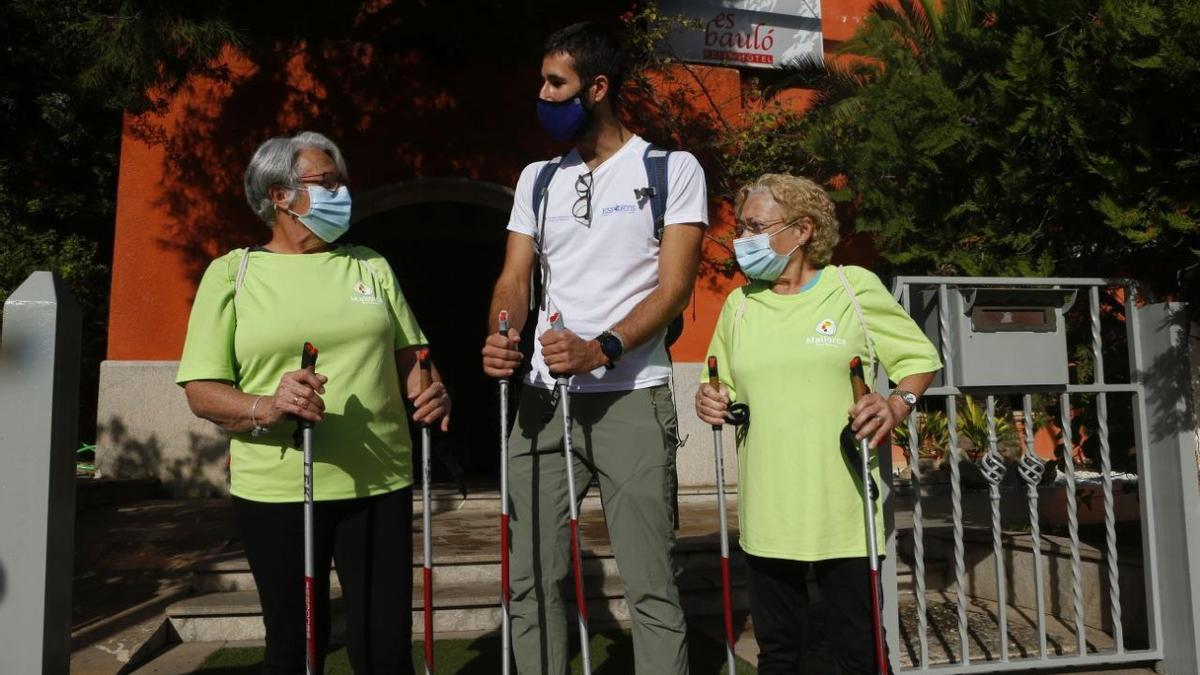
(618, 278)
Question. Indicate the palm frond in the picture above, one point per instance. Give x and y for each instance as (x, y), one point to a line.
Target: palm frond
(831, 81)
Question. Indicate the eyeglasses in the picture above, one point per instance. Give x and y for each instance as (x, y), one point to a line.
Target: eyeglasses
(330, 180)
(743, 227)
(582, 209)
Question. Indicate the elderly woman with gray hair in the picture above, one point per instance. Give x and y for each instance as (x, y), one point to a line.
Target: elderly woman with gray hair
(240, 368)
(784, 343)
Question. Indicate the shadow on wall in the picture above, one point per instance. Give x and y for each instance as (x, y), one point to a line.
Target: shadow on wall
(1168, 383)
(396, 114)
(190, 472)
(399, 103)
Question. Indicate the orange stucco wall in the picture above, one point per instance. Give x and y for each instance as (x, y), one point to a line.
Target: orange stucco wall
(397, 116)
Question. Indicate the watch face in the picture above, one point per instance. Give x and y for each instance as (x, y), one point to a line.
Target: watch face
(610, 345)
(909, 397)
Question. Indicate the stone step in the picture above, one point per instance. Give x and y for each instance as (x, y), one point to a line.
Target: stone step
(467, 572)
(233, 573)
(936, 578)
(445, 499)
(237, 615)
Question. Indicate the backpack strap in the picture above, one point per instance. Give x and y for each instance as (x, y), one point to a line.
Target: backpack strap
(241, 274)
(862, 320)
(737, 319)
(655, 160)
(540, 184)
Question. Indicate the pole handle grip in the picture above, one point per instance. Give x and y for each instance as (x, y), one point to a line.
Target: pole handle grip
(713, 374)
(426, 368)
(858, 382)
(308, 359)
(714, 380)
(556, 321)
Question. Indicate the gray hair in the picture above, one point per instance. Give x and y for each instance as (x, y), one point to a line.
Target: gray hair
(274, 163)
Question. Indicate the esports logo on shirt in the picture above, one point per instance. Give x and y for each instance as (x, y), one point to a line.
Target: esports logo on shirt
(365, 295)
(826, 336)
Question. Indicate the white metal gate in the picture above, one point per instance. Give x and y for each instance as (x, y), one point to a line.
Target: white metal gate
(1156, 386)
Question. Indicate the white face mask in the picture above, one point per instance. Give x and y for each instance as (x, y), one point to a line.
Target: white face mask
(328, 214)
(756, 257)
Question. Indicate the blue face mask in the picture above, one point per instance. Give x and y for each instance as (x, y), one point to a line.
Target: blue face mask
(563, 120)
(328, 214)
(756, 257)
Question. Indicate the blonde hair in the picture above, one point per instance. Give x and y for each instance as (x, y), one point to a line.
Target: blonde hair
(798, 197)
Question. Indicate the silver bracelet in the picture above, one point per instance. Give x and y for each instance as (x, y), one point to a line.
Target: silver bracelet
(258, 429)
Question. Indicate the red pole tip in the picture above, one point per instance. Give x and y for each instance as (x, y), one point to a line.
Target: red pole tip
(423, 355)
(554, 317)
(504, 315)
(855, 362)
(712, 362)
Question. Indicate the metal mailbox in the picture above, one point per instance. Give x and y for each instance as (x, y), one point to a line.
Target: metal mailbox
(1001, 336)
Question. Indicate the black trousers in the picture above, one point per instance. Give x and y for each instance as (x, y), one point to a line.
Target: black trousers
(778, 603)
(370, 538)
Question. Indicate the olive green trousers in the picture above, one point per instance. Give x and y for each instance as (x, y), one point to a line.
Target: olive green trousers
(626, 441)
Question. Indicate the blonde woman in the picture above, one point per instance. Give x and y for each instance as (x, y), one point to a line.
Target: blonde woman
(784, 342)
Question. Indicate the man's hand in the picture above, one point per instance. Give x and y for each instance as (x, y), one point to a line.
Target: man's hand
(566, 353)
(501, 357)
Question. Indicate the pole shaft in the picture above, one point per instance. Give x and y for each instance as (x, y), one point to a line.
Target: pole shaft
(310, 636)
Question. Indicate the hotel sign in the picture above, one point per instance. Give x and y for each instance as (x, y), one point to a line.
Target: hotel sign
(746, 33)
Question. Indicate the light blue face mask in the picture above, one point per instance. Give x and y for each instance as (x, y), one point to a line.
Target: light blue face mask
(328, 214)
(756, 257)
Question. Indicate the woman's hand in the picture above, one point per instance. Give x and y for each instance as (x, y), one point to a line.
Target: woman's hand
(297, 394)
(431, 405)
(874, 417)
(712, 403)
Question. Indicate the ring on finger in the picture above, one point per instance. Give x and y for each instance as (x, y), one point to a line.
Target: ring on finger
(296, 401)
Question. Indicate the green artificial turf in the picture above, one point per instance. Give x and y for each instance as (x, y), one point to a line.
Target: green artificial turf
(612, 654)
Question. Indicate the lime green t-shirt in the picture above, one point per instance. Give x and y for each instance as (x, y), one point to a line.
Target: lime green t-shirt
(348, 304)
(798, 498)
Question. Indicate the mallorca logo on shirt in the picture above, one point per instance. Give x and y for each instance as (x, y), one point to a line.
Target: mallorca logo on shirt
(365, 295)
(825, 337)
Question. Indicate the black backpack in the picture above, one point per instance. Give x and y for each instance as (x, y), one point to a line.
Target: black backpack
(655, 161)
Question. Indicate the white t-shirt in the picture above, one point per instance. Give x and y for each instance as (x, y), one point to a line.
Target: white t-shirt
(597, 272)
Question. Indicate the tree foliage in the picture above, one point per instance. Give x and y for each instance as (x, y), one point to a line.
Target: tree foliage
(1017, 137)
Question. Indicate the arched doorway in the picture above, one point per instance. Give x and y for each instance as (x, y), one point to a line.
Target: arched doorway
(445, 240)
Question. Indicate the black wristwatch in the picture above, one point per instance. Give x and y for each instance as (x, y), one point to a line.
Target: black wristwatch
(611, 347)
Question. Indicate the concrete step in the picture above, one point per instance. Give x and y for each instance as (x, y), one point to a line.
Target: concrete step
(237, 615)
(936, 576)
(233, 573)
(467, 571)
(486, 498)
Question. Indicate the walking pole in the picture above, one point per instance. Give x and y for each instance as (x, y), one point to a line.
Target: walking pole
(719, 456)
(505, 625)
(562, 384)
(859, 385)
(426, 534)
(308, 359)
